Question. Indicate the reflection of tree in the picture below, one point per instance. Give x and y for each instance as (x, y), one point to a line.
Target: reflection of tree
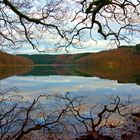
(54, 117)
(52, 70)
(10, 71)
(132, 75)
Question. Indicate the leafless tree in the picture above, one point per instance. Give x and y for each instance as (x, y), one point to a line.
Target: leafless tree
(67, 22)
(55, 117)
(96, 117)
(19, 118)
(29, 20)
(113, 19)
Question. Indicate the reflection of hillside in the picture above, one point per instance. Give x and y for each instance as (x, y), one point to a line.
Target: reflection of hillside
(12, 70)
(124, 74)
(129, 74)
(118, 64)
(70, 70)
(53, 70)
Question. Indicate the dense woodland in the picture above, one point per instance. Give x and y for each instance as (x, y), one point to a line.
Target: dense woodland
(54, 59)
(17, 65)
(11, 60)
(113, 58)
(110, 64)
(128, 55)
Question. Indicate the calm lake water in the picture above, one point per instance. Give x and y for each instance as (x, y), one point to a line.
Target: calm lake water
(96, 87)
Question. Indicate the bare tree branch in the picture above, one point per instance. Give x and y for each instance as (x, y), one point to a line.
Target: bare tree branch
(68, 23)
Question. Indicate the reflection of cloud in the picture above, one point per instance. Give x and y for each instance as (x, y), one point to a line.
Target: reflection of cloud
(94, 88)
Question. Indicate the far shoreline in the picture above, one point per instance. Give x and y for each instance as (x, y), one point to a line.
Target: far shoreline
(37, 65)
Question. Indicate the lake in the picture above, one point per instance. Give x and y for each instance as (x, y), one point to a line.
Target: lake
(95, 86)
(31, 82)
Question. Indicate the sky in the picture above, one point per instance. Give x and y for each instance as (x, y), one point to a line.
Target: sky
(88, 45)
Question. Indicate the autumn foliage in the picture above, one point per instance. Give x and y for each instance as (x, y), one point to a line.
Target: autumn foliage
(114, 58)
(11, 60)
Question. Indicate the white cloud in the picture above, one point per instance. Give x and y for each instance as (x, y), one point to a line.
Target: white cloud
(87, 46)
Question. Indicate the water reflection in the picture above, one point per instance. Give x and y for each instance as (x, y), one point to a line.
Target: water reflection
(47, 70)
(129, 74)
(123, 74)
(79, 81)
(8, 71)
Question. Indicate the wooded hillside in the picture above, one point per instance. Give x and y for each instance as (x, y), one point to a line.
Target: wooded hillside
(113, 58)
(124, 55)
(55, 59)
(11, 60)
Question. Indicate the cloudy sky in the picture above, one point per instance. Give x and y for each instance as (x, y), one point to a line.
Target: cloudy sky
(88, 45)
